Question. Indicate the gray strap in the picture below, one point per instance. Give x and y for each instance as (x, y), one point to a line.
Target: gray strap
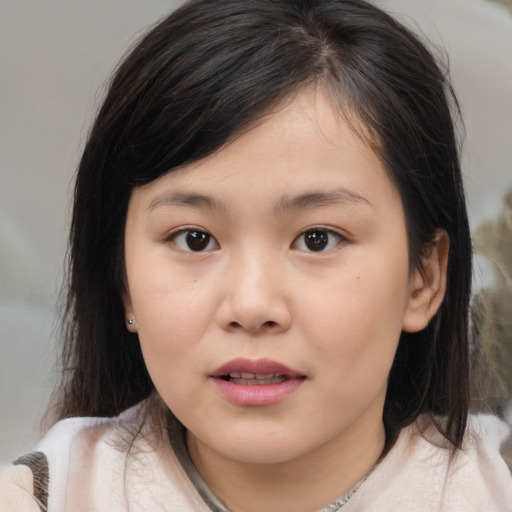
(178, 443)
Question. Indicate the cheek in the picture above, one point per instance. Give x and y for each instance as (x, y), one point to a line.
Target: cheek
(172, 315)
(170, 327)
(163, 295)
(357, 322)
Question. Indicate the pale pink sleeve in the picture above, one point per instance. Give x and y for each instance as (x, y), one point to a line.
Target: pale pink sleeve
(17, 490)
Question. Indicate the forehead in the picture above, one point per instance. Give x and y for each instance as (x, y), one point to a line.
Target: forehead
(301, 152)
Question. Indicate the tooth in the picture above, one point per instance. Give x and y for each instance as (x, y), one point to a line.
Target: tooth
(247, 375)
(235, 375)
(275, 379)
(264, 375)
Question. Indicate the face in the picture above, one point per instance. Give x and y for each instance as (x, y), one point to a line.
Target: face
(269, 284)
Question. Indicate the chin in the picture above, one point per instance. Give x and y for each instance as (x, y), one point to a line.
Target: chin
(270, 454)
(265, 448)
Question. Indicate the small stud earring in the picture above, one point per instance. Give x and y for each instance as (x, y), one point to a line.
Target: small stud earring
(131, 321)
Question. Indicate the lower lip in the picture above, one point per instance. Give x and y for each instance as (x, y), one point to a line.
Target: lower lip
(258, 394)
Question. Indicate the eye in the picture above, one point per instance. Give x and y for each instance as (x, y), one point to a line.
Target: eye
(317, 240)
(194, 240)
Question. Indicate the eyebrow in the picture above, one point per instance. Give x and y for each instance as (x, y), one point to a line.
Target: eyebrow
(284, 205)
(184, 199)
(321, 198)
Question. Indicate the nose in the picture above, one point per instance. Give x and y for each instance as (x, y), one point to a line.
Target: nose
(254, 298)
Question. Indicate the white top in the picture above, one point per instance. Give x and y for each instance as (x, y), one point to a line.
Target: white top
(119, 464)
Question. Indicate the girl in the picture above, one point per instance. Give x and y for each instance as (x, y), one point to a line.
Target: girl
(269, 279)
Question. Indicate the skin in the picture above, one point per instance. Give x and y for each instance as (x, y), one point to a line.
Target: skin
(258, 291)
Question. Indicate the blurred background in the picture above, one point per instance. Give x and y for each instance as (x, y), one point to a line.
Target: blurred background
(55, 57)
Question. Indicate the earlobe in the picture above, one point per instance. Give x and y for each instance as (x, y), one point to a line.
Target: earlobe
(427, 285)
(131, 323)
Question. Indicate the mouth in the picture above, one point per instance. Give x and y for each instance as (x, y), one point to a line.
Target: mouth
(254, 379)
(255, 372)
(247, 382)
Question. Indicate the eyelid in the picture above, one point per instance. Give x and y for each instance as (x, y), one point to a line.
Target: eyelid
(342, 238)
(172, 235)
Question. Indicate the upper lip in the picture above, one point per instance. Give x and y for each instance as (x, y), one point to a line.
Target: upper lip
(258, 366)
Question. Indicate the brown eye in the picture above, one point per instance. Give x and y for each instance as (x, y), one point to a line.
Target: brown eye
(197, 240)
(316, 240)
(194, 240)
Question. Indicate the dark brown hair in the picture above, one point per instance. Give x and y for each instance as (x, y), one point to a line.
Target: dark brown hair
(194, 82)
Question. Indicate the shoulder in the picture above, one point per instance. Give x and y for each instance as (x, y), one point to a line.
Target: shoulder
(82, 436)
(39, 480)
(476, 476)
(24, 485)
(102, 464)
(486, 437)
(478, 472)
(423, 473)
(17, 490)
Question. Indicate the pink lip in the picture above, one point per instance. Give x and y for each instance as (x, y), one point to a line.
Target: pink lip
(256, 394)
(259, 366)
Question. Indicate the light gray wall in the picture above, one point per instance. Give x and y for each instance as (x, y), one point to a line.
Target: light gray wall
(54, 57)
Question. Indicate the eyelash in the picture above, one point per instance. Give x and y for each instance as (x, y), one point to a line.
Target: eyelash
(174, 236)
(318, 236)
(318, 241)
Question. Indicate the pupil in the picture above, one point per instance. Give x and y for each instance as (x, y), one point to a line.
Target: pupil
(197, 240)
(316, 240)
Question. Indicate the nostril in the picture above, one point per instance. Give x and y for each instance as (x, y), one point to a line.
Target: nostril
(268, 325)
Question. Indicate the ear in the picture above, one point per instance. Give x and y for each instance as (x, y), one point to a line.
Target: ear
(427, 285)
(131, 322)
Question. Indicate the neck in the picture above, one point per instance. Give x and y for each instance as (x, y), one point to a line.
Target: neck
(309, 482)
